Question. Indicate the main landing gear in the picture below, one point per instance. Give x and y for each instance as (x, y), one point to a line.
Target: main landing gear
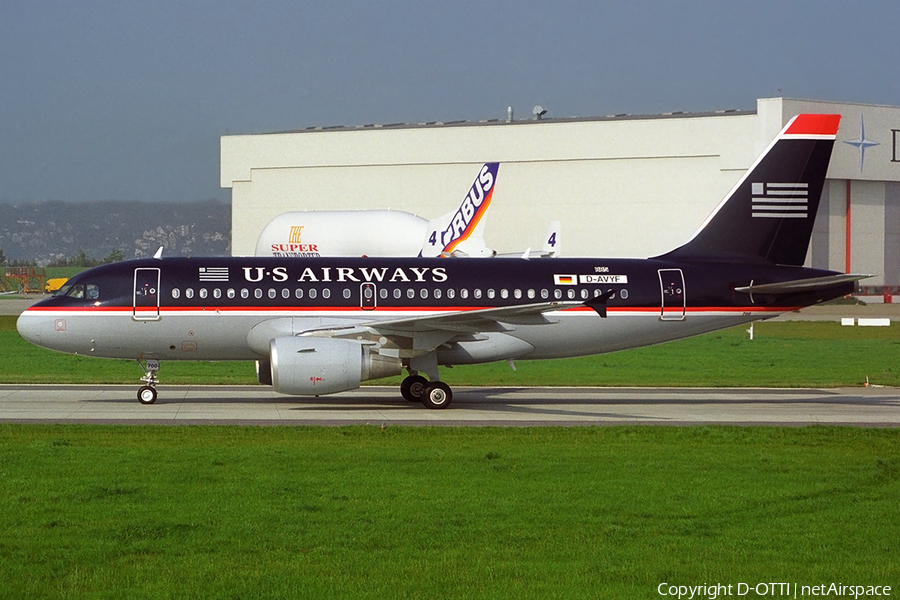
(433, 394)
(147, 394)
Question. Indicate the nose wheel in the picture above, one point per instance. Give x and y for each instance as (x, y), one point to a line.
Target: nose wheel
(147, 393)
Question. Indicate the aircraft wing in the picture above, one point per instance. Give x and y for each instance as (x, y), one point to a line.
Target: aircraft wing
(447, 325)
(474, 321)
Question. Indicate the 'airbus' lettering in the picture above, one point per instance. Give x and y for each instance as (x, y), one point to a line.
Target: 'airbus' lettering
(472, 209)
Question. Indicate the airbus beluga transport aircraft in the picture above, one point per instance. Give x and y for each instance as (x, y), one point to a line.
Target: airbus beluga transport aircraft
(317, 326)
(332, 233)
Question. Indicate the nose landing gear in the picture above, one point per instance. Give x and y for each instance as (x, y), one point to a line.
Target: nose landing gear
(147, 394)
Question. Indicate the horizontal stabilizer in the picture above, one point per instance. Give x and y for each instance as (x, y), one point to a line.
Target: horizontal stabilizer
(800, 285)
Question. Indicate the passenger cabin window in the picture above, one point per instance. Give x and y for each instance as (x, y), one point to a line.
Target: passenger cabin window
(203, 292)
(245, 293)
(176, 293)
(189, 293)
(298, 293)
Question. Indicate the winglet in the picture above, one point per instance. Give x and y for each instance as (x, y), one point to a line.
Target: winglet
(158, 253)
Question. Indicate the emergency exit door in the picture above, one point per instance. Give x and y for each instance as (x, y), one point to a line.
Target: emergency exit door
(146, 294)
(367, 299)
(671, 283)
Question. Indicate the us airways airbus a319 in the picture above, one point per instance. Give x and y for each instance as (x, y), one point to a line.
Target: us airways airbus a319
(317, 326)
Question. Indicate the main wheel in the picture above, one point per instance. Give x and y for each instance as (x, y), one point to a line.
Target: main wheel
(437, 395)
(413, 388)
(146, 395)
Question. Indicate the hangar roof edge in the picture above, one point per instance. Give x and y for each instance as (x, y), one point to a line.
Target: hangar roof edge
(494, 122)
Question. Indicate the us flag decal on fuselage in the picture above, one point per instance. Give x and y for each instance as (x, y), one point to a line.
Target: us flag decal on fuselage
(780, 200)
(213, 273)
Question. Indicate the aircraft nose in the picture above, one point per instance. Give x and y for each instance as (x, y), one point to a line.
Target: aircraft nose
(31, 327)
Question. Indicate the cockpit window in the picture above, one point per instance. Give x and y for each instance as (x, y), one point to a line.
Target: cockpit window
(91, 291)
(75, 291)
(64, 290)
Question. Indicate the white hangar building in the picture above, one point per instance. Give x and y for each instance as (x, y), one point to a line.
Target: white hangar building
(621, 186)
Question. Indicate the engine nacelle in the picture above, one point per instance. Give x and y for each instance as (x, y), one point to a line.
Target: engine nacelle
(307, 366)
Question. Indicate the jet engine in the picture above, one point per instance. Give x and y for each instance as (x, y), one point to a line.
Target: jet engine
(308, 366)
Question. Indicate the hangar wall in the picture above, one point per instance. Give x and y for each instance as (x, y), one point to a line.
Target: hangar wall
(621, 186)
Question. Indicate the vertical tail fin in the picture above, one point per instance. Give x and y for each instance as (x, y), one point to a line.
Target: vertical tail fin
(552, 240)
(447, 233)
(770, 213)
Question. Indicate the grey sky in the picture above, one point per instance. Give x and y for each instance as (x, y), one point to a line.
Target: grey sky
(127, 100)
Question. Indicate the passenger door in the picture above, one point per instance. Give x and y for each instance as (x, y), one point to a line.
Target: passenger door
(671, 282)
(146, 294)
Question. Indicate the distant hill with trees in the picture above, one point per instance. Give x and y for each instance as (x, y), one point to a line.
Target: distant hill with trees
(63, 233)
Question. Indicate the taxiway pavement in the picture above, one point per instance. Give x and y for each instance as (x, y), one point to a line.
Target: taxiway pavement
(472, 406)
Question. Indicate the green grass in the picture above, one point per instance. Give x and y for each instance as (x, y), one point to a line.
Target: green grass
(792, 354)
(229, 512)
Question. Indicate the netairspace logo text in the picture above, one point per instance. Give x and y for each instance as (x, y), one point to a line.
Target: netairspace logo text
(769, 589)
